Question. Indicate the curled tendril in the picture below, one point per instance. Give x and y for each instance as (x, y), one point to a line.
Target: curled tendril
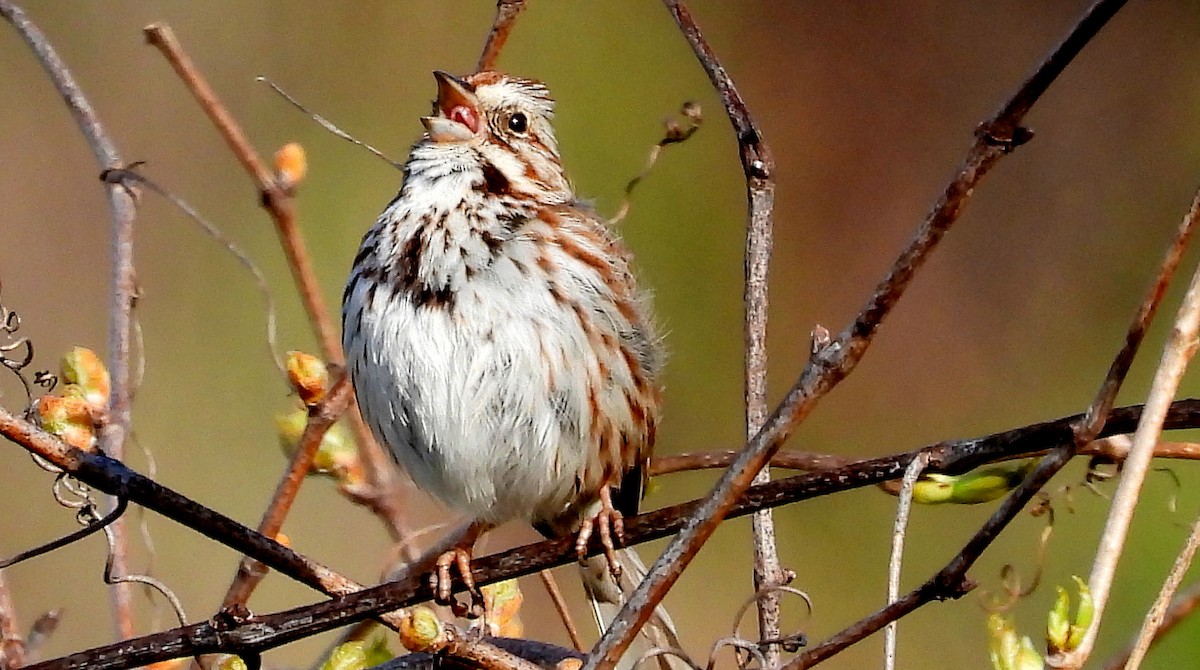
(16, 352)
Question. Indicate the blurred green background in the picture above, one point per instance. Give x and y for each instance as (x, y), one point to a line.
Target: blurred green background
(869, 108)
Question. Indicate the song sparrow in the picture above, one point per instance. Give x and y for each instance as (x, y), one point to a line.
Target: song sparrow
(494, 334)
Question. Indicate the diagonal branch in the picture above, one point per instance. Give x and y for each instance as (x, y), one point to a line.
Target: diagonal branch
(384, 490)
(1177, 354)
(995, 138)
(411, 587)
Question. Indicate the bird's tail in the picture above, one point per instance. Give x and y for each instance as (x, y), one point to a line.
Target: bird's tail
(607, 595)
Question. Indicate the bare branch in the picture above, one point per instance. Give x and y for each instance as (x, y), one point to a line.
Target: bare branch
(250, 571)
(994, 139)
(122, 211)
(1158, 611)
(275, 199)
(899, 529)
(502, 25)
(384, 492)
(12, 643)
(1180, 349)
(1181, 607)
(411, 586)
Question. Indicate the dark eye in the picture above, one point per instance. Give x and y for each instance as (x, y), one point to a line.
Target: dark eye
(518, 123)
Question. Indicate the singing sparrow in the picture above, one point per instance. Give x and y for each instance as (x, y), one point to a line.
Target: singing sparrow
(494, 332)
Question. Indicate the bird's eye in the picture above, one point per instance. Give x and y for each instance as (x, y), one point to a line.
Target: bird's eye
(518, 123)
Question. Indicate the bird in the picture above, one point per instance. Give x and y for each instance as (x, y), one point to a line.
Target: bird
(497, 339)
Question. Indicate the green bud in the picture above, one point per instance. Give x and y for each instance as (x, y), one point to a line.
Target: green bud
(1027, 657)
(1084, 614)
(421, 630)
(1058, 624)
(348, 656)
(978, 486)
(377, 651)
(1002, 641)
(337, 454)
(1062, 632)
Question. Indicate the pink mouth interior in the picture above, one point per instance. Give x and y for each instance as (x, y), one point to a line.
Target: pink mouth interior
(464, 115)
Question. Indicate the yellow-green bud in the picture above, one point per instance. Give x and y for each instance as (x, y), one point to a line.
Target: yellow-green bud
(421, 630)
(348, 656)
(82, 367)
(978, 486)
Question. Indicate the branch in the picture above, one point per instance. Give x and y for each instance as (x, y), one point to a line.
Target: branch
(1177, 354)
(279, 203)
(1181, 607)
(411, 588)
(502, 25)
(320, 419)
(122, 211)
(12, 644)
(758, 165)
(995, 138)
(1158, 611)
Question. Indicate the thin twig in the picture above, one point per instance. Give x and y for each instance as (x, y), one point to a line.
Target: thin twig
(411, 587)
(1180, 349)
(327, 124)
(12, 643)
(1158, 611)
(122, 211)
(126, 176)
(113, 477)
(952, 581)
(1181, 607)
(675, 134)
(250, 571)
(275, 199)
(994, 139)
(560, 606)
(502, 25)
(384, 494)
(899, 530)
(92, 525)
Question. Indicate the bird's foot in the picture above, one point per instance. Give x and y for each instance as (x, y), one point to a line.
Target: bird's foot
(442, 582)
(610, 524)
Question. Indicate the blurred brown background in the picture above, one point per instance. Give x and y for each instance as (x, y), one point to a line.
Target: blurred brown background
(869, 108)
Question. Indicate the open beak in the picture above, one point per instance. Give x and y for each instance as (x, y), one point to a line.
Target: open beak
(458, 116)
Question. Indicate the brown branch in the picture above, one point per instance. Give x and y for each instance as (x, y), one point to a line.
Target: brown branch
(995, 138)
(383, 493)
(560, 607)
(502, 25)
(1177, 354)
(320, 419)
(952, 581)
(411, 587)
(122, 211)
(12, 643)
(113, 477)
(276, 200)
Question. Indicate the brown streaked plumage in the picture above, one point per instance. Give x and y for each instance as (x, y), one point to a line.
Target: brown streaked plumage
(495, 335)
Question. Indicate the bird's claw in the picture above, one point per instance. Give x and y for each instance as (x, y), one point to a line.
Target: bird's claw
(610, 524)
(442, 582)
